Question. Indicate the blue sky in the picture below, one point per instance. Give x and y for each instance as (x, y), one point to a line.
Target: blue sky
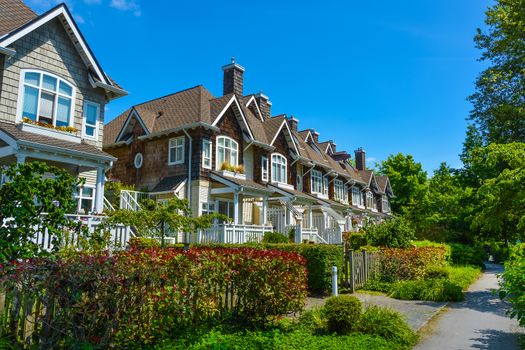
(388, 76)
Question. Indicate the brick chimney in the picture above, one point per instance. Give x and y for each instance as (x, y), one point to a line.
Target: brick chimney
(360, 159)
(293, 123)
(264, 105)
(233, 78)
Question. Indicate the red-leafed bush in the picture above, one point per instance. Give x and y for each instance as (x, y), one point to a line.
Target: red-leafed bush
(141, 295)
(410, 263)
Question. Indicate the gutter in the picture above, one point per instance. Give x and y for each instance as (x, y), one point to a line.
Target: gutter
(189, 166)
(7, 52)
(64, 150)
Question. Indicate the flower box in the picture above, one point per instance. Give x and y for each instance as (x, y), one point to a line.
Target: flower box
(57, 134)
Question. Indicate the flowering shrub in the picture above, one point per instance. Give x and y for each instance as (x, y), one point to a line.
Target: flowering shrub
(142, 295)
(410, 263)
(69, 129)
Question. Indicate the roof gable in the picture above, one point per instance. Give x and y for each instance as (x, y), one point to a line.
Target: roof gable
(234, 103)
(62, 12)
(133, 118)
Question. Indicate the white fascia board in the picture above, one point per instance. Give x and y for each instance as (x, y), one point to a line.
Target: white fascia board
(61, 150)
(60, 10)
(7, 51)
(252, 99)
(132, 113)
(284, 123)
(232, 100)
(7, 151)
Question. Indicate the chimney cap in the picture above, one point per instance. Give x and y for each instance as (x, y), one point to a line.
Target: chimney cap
(233, 64)
(360, 149)
(293, 118)
(261, 94)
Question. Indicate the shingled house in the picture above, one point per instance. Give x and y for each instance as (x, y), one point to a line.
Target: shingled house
(227, 154)
(52, 97)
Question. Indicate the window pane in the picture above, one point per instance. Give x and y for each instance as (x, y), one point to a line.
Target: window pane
(220, 156)
(178, 156)
(49, 83)
(90, 131)
(233, 160)
(65, 89)
(87, 192)
(86, 205)
(91, 114)
(63, 111)
(32, 78)
(47, 102)
(30, 102)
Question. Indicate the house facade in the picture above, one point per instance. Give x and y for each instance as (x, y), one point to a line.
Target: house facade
(229, 155)
(53, 93)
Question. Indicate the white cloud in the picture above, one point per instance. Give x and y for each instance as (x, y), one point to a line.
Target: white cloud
(371, 160)
(126, 5)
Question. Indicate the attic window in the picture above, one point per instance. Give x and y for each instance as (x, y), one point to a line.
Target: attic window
(46, 98)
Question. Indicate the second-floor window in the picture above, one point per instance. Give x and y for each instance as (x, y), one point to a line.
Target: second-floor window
(357, 197)
(316, 178)
(206, 154)
(340, 191)
(264, 168)
(325, 185)
(278, 168)
(227, 152)
(370, 200)
(176, 151)
(46, 98)
(385, 204)
(90, 121)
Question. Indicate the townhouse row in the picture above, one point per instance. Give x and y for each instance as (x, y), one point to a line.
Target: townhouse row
(225, 154)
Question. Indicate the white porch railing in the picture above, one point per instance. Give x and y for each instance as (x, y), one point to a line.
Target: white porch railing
(332, 235)
(130, 199)
(231, 233)
(119, 235)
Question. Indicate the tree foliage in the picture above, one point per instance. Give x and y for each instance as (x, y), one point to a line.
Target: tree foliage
(37, 197)
(499, 102)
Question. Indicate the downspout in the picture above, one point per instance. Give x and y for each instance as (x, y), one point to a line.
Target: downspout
(189, 166)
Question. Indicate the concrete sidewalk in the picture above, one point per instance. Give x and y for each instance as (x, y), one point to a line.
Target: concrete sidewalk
(417, 313)
(479, 322)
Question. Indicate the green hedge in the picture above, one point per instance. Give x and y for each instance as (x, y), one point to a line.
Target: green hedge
(320, 259)
(462, 254)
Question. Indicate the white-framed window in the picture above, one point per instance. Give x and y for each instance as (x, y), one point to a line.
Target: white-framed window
(227, 152)
(45, 98)
(279, 172)
(176, 151)
(316, 178)
(90, 120)
(206, 154)
(139, 159)
(369, 200)
(357, 197)
(339, 190)
(85, 197)
(264, 168)
(325, 185)
(208, 208)
(385, 204)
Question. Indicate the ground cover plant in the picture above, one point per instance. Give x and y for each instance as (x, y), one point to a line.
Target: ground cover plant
(375, 328)
(512, 285)
(137, 297)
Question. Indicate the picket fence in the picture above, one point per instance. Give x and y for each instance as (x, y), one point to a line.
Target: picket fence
(358, 268)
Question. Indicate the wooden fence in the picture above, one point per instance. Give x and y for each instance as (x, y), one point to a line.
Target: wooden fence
(358, 267)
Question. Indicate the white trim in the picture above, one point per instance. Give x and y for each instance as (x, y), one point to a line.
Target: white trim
(80, 197)
(59, 10)
(6, 151)
(21, 90)
(308, 135)
(240, 111)
(50, 132)
(8, 139)
(289, 132)
(84, 120)
(7, 51)
(181, 161)
(252, 99)
(264, 159)
(139, 158)
(210, 145)
(136, 114)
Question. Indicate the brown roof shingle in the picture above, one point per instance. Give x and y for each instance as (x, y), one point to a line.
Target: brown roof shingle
(14, 14)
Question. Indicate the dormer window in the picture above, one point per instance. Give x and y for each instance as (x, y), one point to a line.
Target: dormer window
(316, 178)
(279, 168)
(369, 200)
(385, 204)
(357, 197)
(46, 98)
(340, 191)
(227, 152)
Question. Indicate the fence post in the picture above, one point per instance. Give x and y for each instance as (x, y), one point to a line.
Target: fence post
(334, 281)
(365, 266)
(352, 270)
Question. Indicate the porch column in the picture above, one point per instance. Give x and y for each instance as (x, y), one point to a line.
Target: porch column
(264, 211)
(299, 231)
(310, 216)
(288, 215)
(236, 208)
(20, 158)
(99, 193)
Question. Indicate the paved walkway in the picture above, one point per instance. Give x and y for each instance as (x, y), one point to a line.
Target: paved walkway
(417, 313)
(479, 322)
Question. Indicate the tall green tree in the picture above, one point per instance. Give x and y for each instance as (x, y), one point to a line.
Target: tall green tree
(408, 181)
(499, 101)
(501, 197)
